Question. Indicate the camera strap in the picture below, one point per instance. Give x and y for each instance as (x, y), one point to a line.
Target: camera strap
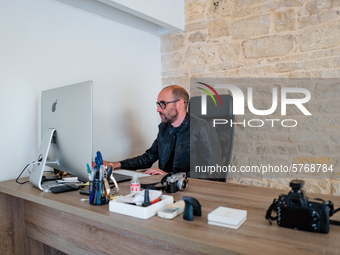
(157, 185)
(271, 208)
(332, 212)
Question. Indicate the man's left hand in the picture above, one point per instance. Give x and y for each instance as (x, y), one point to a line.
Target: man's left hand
(154, 171)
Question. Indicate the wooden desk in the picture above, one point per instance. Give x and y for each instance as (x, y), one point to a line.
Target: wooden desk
(33, 221)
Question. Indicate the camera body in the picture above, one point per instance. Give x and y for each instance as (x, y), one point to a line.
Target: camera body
(176, 182)
(296, 211)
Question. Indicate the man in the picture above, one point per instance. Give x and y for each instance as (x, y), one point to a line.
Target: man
(178, 132)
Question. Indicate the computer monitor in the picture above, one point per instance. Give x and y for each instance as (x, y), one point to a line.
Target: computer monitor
(66, 132)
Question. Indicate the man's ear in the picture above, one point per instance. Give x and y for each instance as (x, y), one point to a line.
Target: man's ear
(180, 104)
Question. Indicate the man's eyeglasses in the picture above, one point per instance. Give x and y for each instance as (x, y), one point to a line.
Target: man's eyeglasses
(163, 104)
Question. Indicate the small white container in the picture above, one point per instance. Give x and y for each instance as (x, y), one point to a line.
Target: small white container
(134, 184)
(140, 212)
(227, 217)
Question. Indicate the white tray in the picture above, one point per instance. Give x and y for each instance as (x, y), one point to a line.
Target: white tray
(139, 211)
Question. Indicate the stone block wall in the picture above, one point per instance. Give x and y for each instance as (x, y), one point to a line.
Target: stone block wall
(274, 39)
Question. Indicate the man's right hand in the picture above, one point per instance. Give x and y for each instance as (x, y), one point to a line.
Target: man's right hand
(115, 165)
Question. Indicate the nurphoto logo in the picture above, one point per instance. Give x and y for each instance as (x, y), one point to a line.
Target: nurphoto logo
(238, 103)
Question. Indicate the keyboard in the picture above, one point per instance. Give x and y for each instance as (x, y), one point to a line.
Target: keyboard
(120, 178)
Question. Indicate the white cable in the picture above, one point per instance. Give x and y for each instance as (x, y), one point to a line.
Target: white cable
(33, 163)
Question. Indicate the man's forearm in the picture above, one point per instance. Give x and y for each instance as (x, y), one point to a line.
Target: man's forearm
(139, 162)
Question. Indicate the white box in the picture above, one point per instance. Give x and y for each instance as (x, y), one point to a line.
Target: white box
(227, 217)
(139, 211)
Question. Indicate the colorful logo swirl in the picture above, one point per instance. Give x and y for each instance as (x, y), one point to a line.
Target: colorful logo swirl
(207, 91)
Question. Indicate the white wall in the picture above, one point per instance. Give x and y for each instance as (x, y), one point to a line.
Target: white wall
(46, 44)
(168, 13)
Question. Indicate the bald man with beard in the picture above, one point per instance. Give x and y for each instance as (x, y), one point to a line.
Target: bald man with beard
(181, 136)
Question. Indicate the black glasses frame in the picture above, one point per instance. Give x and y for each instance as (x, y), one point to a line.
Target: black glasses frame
(163, 104)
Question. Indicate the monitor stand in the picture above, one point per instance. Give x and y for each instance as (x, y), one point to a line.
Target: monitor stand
(38, 169)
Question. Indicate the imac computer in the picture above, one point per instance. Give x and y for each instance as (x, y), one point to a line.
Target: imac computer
(66, 132)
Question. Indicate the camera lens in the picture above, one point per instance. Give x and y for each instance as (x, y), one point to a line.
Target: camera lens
(182, 184)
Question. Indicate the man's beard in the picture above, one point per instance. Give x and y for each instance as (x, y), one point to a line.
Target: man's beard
(170, 117)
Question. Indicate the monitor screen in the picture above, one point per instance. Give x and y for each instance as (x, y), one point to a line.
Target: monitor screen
(66, 130)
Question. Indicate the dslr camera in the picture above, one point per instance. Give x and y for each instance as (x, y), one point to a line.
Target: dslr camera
(296, 211)
(176, 182)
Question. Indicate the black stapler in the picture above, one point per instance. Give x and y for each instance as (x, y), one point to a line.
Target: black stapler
(192, 207)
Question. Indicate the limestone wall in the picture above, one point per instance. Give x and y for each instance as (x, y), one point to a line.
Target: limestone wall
(263, 38)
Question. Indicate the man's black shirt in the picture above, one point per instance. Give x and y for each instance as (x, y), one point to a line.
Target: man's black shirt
(172, 147)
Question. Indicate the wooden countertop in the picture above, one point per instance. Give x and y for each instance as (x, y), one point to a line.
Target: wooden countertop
(255, 236)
